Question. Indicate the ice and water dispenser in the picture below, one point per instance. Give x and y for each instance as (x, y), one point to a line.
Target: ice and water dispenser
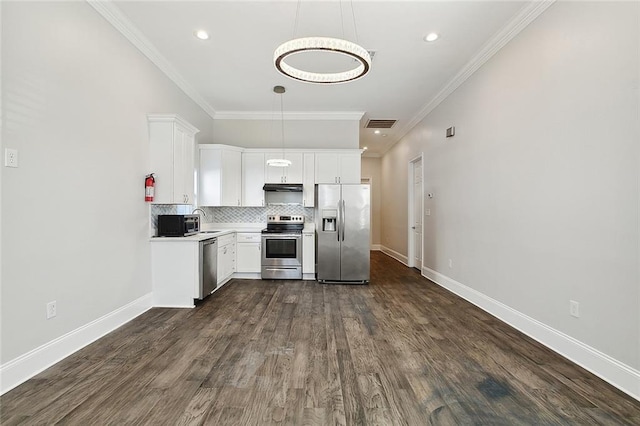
(329, 220)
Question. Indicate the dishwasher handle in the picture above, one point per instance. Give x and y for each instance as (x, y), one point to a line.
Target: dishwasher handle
(210, 241)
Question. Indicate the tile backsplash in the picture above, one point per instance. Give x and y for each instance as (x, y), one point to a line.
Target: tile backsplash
(229, 214)
(253, 214)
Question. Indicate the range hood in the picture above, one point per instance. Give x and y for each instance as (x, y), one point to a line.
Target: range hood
(283, 187)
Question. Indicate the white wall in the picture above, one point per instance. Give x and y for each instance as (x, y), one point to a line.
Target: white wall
(340, 134)
(371, 168)
(537, 196)
(74, 223)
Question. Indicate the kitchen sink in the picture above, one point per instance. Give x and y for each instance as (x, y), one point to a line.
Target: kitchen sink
(213, 231)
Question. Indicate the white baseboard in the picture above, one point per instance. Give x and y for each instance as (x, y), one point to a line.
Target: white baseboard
(397, 256)
(247, 275)
(20, 369)
(618, 374)
(376, 247)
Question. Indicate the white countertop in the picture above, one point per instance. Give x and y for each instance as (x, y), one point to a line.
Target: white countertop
(192, 238)
(220, 229)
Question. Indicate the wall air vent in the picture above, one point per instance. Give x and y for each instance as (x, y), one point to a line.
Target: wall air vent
(380, 124)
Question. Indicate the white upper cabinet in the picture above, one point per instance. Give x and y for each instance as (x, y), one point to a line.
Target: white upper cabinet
(349, 168)
(308, 183)
(326, 167)
(290, 174)
(253, 168)
(172, 141)
(220, 175)
(335, 167)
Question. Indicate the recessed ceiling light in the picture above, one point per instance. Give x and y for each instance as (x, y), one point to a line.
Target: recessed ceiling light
(384, 135)
(431, 37)
(377, 132)
(201, 34)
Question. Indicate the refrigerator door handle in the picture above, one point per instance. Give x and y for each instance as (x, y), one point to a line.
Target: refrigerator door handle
(338, 222)
(344, 213)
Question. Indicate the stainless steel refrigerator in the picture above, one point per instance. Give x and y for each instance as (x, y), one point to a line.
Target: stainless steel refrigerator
(342, 215)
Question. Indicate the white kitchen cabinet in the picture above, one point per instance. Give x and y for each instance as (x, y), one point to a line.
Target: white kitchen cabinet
(349, 168)
(172, 142)
(290, 174)
(253, 168)
(309, 180)
(175, 273)
(248, 252)
(308, 254)
(220, 177)
(337, 167)
(226, 257)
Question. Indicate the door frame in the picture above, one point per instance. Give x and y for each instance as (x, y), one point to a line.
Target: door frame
(410, 215)
(368, 180)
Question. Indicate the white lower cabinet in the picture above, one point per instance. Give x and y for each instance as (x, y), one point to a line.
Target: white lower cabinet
(248, 252)
(175, 273)
(226, 257)
(308, 254)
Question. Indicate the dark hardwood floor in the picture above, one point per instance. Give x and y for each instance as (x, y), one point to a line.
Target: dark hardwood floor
(400, 351)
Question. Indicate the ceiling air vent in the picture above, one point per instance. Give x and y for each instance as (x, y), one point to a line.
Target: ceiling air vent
(380, 124)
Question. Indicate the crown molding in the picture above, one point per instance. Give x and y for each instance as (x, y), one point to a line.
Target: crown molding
(120, 22)
(368, 154)
(526, 15)
(292, 115)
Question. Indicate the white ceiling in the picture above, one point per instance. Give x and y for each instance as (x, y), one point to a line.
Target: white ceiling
(232, 73)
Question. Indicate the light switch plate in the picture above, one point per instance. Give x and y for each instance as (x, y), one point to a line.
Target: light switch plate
(10, 157)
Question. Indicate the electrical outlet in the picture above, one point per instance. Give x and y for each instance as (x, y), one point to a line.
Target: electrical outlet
(10, 157)
(427, 212)
(450, 263)
(574, 308)
(51, 309)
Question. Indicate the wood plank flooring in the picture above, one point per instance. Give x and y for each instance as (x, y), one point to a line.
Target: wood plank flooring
(400, 351)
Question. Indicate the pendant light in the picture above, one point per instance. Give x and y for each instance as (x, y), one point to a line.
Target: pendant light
(280, 162)
(323, 44)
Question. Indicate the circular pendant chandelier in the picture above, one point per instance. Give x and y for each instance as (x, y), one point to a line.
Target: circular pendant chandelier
(322, 44)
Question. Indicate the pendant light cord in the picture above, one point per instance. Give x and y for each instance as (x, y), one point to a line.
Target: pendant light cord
(355, 28)
(295, 23)
(282, 121)
(273, 117)
(342, 20)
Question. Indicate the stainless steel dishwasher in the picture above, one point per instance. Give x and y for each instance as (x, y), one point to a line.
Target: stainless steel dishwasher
(208, 267)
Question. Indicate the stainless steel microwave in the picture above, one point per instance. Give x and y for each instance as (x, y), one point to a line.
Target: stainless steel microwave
(178, 225)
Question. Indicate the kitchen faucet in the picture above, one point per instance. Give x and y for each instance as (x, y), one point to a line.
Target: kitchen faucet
(203, 212)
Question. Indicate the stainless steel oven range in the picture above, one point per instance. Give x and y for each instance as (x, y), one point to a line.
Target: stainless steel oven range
(282, 248)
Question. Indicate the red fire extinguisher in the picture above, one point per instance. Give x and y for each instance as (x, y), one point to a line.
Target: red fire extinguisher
(149, 183)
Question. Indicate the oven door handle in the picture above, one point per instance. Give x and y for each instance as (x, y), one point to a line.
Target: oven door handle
(281, 269)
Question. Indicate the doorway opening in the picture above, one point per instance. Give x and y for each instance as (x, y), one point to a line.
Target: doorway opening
(366, 180)
(416, 213)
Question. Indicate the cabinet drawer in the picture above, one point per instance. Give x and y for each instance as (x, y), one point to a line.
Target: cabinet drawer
(226, 239)
(246, 237)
